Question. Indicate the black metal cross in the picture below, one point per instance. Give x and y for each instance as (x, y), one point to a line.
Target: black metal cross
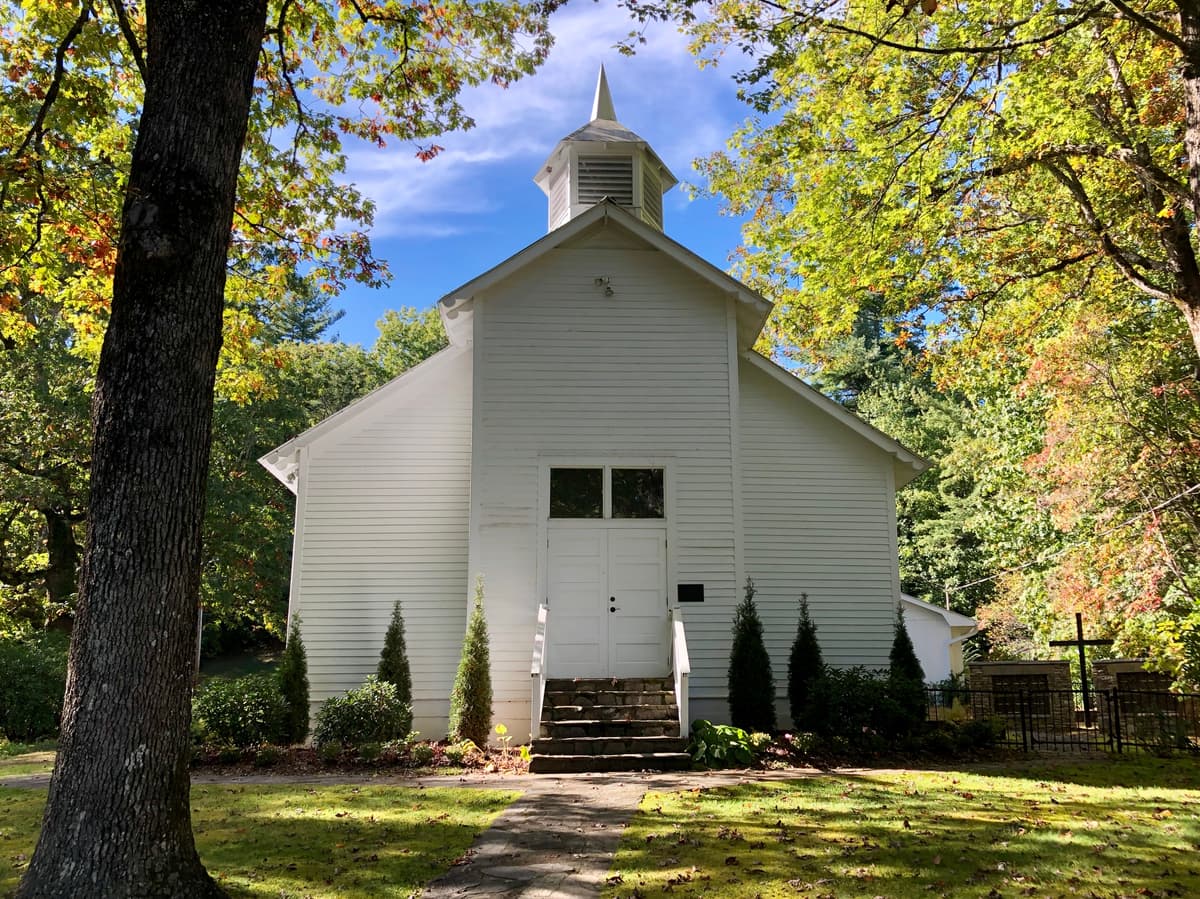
(1083, 678)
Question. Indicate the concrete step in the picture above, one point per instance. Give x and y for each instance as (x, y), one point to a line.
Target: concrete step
(608, 745)
(610, 712)
(589, 698)
(599, 684)
(618, 729)
(649, 761)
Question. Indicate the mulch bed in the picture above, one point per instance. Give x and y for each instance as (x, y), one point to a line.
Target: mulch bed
(305, 760)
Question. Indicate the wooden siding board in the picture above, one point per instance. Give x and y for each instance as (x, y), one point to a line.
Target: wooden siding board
(386, 519)
(818, 505)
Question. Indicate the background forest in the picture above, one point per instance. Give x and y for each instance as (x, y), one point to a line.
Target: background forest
(977, 224)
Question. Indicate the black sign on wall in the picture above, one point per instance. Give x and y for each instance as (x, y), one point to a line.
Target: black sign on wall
(691, 593)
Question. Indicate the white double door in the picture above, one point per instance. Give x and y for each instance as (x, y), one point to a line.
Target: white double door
(607, 591)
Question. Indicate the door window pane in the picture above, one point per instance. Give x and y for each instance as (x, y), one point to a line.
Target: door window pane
(637, 493)
(576, 492)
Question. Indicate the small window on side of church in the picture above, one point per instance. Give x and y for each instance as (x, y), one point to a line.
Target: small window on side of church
(577, 493)
(637, 493)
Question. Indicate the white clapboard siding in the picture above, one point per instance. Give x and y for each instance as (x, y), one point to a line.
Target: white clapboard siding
(565, 372)
(817, 506)
(386, 518)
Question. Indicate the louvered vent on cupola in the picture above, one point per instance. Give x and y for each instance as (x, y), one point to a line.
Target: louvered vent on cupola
(651, 198)
(605, 176)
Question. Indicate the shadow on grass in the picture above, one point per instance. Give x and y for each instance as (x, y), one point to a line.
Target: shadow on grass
(292, 841)
(903, 834)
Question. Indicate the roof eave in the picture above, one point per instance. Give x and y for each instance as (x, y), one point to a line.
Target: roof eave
(907, 464)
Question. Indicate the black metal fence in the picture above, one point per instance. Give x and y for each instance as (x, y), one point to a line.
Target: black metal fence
(1057, 720)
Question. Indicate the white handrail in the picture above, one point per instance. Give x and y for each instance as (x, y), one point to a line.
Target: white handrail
(681, 667)
(537, 673)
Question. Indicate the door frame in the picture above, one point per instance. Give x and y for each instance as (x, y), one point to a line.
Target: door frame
(668, 521)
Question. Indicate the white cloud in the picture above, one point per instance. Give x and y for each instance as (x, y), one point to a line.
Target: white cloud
(660, 93)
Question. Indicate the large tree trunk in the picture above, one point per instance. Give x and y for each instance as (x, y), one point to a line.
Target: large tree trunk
(117, 822)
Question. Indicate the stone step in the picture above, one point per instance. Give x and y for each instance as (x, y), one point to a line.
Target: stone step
(610, 713)
(591, 728)
(599, 684)
(589, 698)
(609, 745)
(650, 761)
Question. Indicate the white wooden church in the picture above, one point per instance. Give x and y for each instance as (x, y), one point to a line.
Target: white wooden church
(603, 446)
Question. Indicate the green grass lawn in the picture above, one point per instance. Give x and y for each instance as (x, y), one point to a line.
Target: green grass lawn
(26, 758)
(297, 841)
(1098, 829)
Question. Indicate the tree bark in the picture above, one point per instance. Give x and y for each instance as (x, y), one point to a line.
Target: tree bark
(118, 821)
(63, 556)
(1188, 301)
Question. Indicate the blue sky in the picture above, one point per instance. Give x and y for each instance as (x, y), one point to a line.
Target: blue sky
(441, 223)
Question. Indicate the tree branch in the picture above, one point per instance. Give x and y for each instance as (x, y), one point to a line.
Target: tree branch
(1149, 24)
(1088, 13)
(135, 49)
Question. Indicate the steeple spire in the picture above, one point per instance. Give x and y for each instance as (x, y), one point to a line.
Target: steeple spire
(602, 106)
(604, 161)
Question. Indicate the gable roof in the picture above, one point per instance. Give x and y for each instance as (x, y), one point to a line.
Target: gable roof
(954, 619)
(283, 461)
(907, 465)
(752, 308)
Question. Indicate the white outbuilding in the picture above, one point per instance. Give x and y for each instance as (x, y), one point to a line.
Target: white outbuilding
(602, 444)
(938, 635)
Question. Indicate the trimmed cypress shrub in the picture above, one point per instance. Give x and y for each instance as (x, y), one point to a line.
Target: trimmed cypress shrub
(393, 659)
(293, 684)
(906, 677)
(471, 698)
(805, 667)
(751, 683)
(902, 660)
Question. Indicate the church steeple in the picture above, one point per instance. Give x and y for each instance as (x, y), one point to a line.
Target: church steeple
(604, 159)
(602, 106)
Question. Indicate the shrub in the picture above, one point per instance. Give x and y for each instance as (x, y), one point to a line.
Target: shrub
(724, 746)
(293, 684)
(458, 753)
(393, 659)
(267, 756)
(421, 754)
(33, 677)
(849, 705)
(244, 712)
(805, 666)
(471, 698)
(751, 684)
(371, 714)
(907, 680)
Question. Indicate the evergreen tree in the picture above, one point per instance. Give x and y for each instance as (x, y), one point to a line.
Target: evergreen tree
(293, 683)
(471, 698)
(751, 684)
(393, 660)
(902, 660)
(906, 678)
(805, 666)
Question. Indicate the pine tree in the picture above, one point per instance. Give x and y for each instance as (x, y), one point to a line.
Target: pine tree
(393, 659)
(805, 666)
(906, 678)
(751, 683)
(471, 698)
(293, 683)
